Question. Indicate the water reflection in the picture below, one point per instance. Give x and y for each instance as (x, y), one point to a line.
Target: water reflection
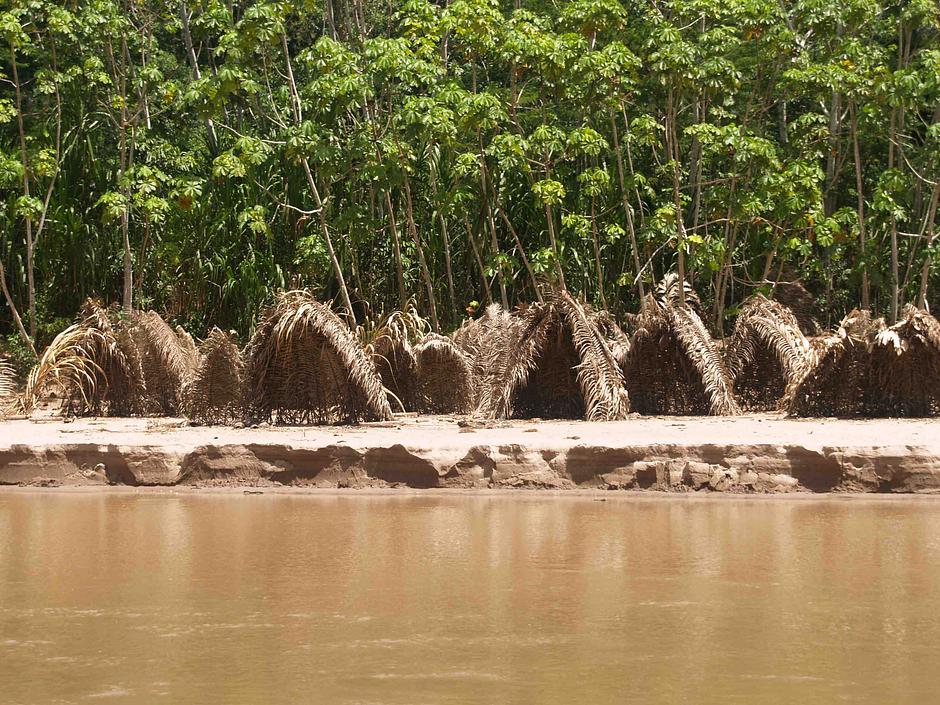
(465, 599)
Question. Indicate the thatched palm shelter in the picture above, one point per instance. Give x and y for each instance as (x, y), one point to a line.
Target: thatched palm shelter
(94, 363)
(445, 377)
(478, 337)
(674, 366)
(168, 359)
(304, 365)
(838, 371)
(554, 363)
(868, 369)
(393, 355)
(215, 393)
(766, 352)
(905, 368)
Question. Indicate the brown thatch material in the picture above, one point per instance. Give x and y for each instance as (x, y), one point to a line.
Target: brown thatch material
(305, 366)
(674, 365)
(7, 384)
(617, 340)
(393, 356)
(667, 293)
(838, 370)
(94, 364)
(555, 363)
(167, 359)
(477, 338)
(766, 352)
(905, 368)
(215, 394)
(445, 378)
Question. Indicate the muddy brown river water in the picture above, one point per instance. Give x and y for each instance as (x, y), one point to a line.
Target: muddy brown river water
(122, 597)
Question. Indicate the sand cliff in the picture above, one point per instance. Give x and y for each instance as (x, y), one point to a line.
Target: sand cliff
(743, 454)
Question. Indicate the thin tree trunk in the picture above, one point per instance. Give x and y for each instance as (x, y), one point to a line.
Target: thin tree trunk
(476, 255)
(521, 250)
(14, 311)
(422, 260)
(631, 229)
(396, 250)
(491, 226)
(550, 219)
(860, 190)
(30, 279)
(194, 64)
(931, 236)
(597, 257)
(672, 139)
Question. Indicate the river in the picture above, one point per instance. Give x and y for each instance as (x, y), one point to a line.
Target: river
(122, 597)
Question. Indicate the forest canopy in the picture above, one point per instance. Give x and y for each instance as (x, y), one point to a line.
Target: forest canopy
(198, 156)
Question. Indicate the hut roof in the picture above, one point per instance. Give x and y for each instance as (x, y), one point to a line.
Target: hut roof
(214, 393)
(305, 365)
(766, 352)
(168, 359)
(674, 365)
(94, 362)
(837, 370)
(553, 362)
(445, 377)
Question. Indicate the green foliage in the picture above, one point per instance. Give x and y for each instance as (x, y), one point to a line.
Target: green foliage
(232, 143)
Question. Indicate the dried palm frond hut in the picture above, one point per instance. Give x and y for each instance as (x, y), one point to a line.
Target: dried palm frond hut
(445, 378)
(617, 340)
(168, 359)
(304, 365)
(838, 370)
(905, 368)
(215, 393)
(766, 352)
(674, 366)
(94, 364)
(476, 337)
(394, 359)
(553, 363)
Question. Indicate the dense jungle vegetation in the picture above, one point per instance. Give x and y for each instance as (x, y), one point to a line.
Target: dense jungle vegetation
(197, 156)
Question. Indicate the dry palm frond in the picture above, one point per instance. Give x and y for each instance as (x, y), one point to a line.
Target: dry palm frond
(554, 363)
(667, 293)
(674, 366)
(444, 377)
(905, 368)
(766, 352)
(92, 363)
(189, 348)
(478, 337)
(215, 392)
(837, 371)
(7, 387)
(306, 366)
(392, 354)
(166, 358)
(617, 341)
(7, 384)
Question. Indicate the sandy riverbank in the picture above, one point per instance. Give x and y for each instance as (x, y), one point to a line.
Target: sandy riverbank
(743, 454)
